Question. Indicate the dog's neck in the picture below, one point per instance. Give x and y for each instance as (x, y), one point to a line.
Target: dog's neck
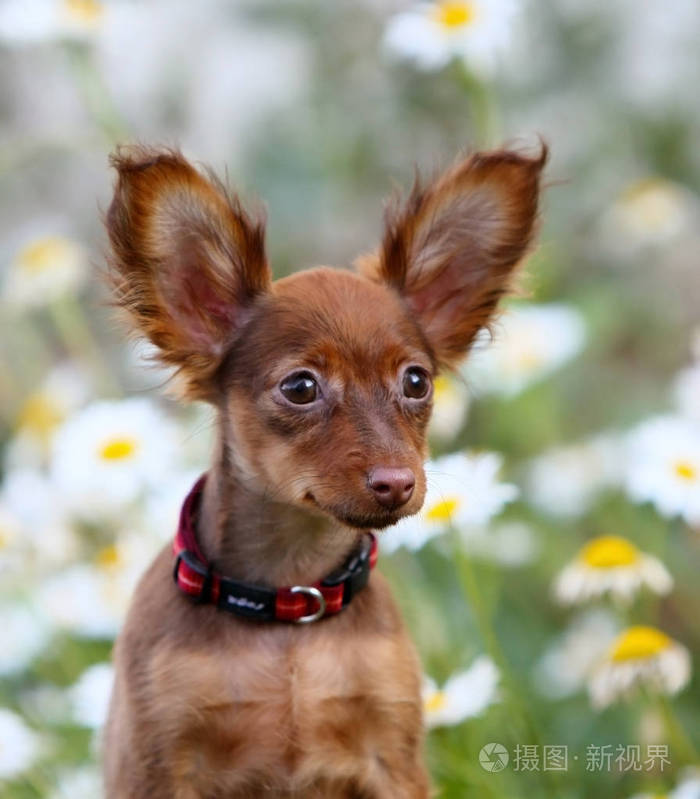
(248, 536)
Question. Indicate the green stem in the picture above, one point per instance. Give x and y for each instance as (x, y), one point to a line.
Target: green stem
(470, 585)
(96, 95)
(678, 737)
(483, 111)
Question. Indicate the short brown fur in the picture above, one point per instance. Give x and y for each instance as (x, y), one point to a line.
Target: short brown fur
(210, 705)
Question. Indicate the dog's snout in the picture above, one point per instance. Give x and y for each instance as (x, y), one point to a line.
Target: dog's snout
(392, 487)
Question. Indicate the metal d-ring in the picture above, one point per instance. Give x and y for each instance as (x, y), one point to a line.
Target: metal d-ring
(309, 590)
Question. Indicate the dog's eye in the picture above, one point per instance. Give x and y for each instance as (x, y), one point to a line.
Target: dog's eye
(416, 383)
(300, 388)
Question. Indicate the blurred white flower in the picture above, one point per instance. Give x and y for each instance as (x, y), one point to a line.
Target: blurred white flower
(450, 405)
(465, 695)
(23, 22)
(510, 544)
(568, 662)
(81, 783)
(531, 341)
(162, 508)
(91, 599)
(19, 745)
(663, 466)
(610, 565)
(209, 85)
(688, 787)
(655, 64)
(649, 212)
(431, 34)
(10, 539)
(639, 656)
(77, 600)
(43, 536)
(565, 480)
(25, 635)
(90, 695)
(44, 270)
(686, 389)
(65, 389)
(463, 491)
(105, 455)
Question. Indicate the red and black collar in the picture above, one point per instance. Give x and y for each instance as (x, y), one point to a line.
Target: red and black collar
(298, 603)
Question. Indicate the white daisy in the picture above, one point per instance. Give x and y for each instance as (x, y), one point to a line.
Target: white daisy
(77, 600)
(106, 454)
(564, 481)
(91, 599)
(162, 508)
(44, 20)
(10, 540)
(43, 270)
(568, 662)
(531, 341)
(65, 389)
(19, 745)
(688, 787)
(45, 537)
(90, 695)
(466, 694)
(649, 212)
(25, 635)
(639, 656)
(431, 34)
(610, 565)
(463, 491)
(450, 405)
(663, 466)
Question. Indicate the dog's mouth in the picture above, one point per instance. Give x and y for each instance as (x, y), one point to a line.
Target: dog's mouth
(362, 521)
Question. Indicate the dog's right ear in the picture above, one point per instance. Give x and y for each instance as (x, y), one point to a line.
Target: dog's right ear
(187, 261)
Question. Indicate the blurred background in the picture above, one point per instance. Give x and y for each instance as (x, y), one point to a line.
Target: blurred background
(551, 580)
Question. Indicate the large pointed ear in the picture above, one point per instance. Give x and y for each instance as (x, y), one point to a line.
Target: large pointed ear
(187, 261)
(451, 248)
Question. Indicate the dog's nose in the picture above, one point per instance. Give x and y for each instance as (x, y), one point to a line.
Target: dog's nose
(392, 487)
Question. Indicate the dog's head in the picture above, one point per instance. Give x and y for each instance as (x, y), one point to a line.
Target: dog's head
(323, 380)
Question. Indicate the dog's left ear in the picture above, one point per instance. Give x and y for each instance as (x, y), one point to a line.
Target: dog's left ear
(451, 249)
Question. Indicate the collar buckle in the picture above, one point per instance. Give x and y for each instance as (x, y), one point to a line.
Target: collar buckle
(309, 590)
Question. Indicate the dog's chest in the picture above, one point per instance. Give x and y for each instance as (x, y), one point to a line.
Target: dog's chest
(291, 705)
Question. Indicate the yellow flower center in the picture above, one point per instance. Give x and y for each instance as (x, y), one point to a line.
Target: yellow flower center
(442, 511)
(638, 643)
(529, 359)
(609, 552)
(653, 202)
(441, 387)
(118, 448)
(83, 11)
(453, 15)
(108, 558)
(40, 415)
(436, 701)
(685, 470)
(43, 254)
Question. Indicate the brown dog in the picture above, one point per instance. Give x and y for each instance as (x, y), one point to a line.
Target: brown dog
(322, 383)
